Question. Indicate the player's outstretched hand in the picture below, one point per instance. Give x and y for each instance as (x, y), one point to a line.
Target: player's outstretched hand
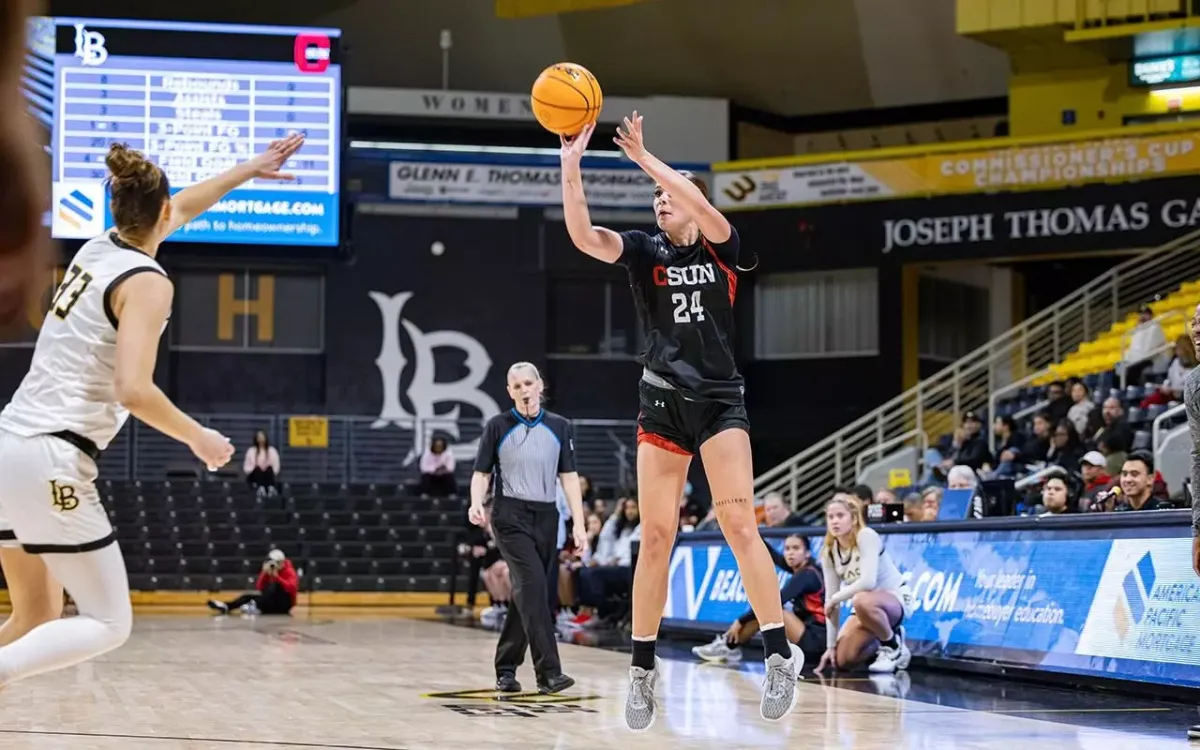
(267, 164)
(629, 138)
(212, 448)
(573, 146)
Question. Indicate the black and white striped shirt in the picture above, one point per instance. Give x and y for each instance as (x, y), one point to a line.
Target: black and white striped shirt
(527, 454)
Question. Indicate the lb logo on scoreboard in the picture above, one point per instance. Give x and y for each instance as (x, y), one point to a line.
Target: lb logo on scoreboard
(312, 53)
(89, 46)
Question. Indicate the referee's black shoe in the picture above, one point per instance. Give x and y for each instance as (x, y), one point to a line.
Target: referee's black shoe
(506, 682)
(555, 684)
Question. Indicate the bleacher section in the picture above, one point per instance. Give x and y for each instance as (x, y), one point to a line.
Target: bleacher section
(210, 536)
(1102, 353)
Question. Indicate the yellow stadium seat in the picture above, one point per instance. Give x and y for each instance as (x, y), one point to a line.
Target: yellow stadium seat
(1102, 353)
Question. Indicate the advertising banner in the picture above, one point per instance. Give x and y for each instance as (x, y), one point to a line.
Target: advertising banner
(1068, 600)
(1124, 216)
(532, 181)
(968, 171)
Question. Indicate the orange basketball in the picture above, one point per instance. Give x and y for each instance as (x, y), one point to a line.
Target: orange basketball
(566, 97)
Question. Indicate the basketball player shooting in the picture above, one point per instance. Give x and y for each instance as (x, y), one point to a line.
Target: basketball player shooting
(92, 367)
(691, 401)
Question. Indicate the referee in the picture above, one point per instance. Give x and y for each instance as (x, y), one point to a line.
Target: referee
(529, 450)
(1191, 400)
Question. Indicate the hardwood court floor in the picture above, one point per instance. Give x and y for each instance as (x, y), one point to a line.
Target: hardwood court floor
(193, 683)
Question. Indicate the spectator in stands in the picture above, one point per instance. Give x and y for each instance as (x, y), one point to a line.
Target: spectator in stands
(1059, 403)
(914, 509)
(969, 446)
(1065, 448)
(776, 512)
(864, 493)
(1093, 467)
(589, 492)
(277, 587)
(1009, 443)
(571, 561)
(261, 465)
(600, 508)
(931, 503)
(804, 590)
(1114, 448)
(1038, 444)
(1112, 424)
(885, 496)
(1141, 488)
(437, 470)
(1082, 407)
(1183, 363)
(961, 477)
(611, 573)
(1145, 350)
(1056, 497)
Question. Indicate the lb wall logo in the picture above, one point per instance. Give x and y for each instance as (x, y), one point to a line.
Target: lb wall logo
(1147, 604)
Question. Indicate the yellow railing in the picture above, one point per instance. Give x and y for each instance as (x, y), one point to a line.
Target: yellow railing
(1092, 13)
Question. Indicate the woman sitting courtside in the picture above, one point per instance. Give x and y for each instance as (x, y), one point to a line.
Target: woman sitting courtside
(805, 624)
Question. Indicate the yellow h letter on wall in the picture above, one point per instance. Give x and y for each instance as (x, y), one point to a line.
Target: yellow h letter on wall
(260, 308)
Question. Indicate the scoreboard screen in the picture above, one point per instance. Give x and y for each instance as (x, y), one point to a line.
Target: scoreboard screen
(196, 99)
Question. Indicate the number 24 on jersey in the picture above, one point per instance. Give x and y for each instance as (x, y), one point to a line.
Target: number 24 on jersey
(685, 313)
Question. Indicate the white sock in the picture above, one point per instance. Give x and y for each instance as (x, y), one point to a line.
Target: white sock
(100, 587)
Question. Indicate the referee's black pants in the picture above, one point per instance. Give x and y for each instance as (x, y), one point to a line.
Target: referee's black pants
(527, 537)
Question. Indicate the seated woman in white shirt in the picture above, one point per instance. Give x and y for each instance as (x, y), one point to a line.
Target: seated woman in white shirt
(609, 572)
(858, 569)
(1183, 363)
(437, 470)
(261, 465)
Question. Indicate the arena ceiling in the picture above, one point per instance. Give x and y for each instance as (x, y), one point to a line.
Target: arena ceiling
(791, 57)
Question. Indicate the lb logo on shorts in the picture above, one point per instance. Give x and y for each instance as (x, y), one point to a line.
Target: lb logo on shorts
(63, 497)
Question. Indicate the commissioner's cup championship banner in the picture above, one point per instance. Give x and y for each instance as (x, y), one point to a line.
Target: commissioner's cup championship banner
(1067, 600)
(1016, 167)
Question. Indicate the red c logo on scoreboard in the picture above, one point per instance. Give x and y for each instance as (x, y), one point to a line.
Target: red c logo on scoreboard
(312, 53)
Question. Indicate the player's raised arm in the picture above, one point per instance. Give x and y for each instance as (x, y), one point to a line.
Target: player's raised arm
(598, 242)
(712, 222)
(141, 304)
(190, 202)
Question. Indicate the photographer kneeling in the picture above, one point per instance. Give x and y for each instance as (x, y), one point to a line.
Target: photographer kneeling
(277, 586)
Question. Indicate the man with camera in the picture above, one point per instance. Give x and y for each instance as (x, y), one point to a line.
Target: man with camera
(276, 595)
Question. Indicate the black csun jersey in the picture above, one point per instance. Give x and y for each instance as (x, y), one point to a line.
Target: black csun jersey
(684, 298)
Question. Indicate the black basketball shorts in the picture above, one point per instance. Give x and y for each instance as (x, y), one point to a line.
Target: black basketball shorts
(671, 422)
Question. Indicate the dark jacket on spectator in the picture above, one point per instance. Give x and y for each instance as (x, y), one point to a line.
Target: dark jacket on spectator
(1035, 449)
(1118, 427)
(974, 453)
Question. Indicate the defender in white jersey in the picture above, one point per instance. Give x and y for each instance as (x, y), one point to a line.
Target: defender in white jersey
(858, 569)
(93, 365)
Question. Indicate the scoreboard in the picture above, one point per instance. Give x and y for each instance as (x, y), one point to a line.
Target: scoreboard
(196, 99)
